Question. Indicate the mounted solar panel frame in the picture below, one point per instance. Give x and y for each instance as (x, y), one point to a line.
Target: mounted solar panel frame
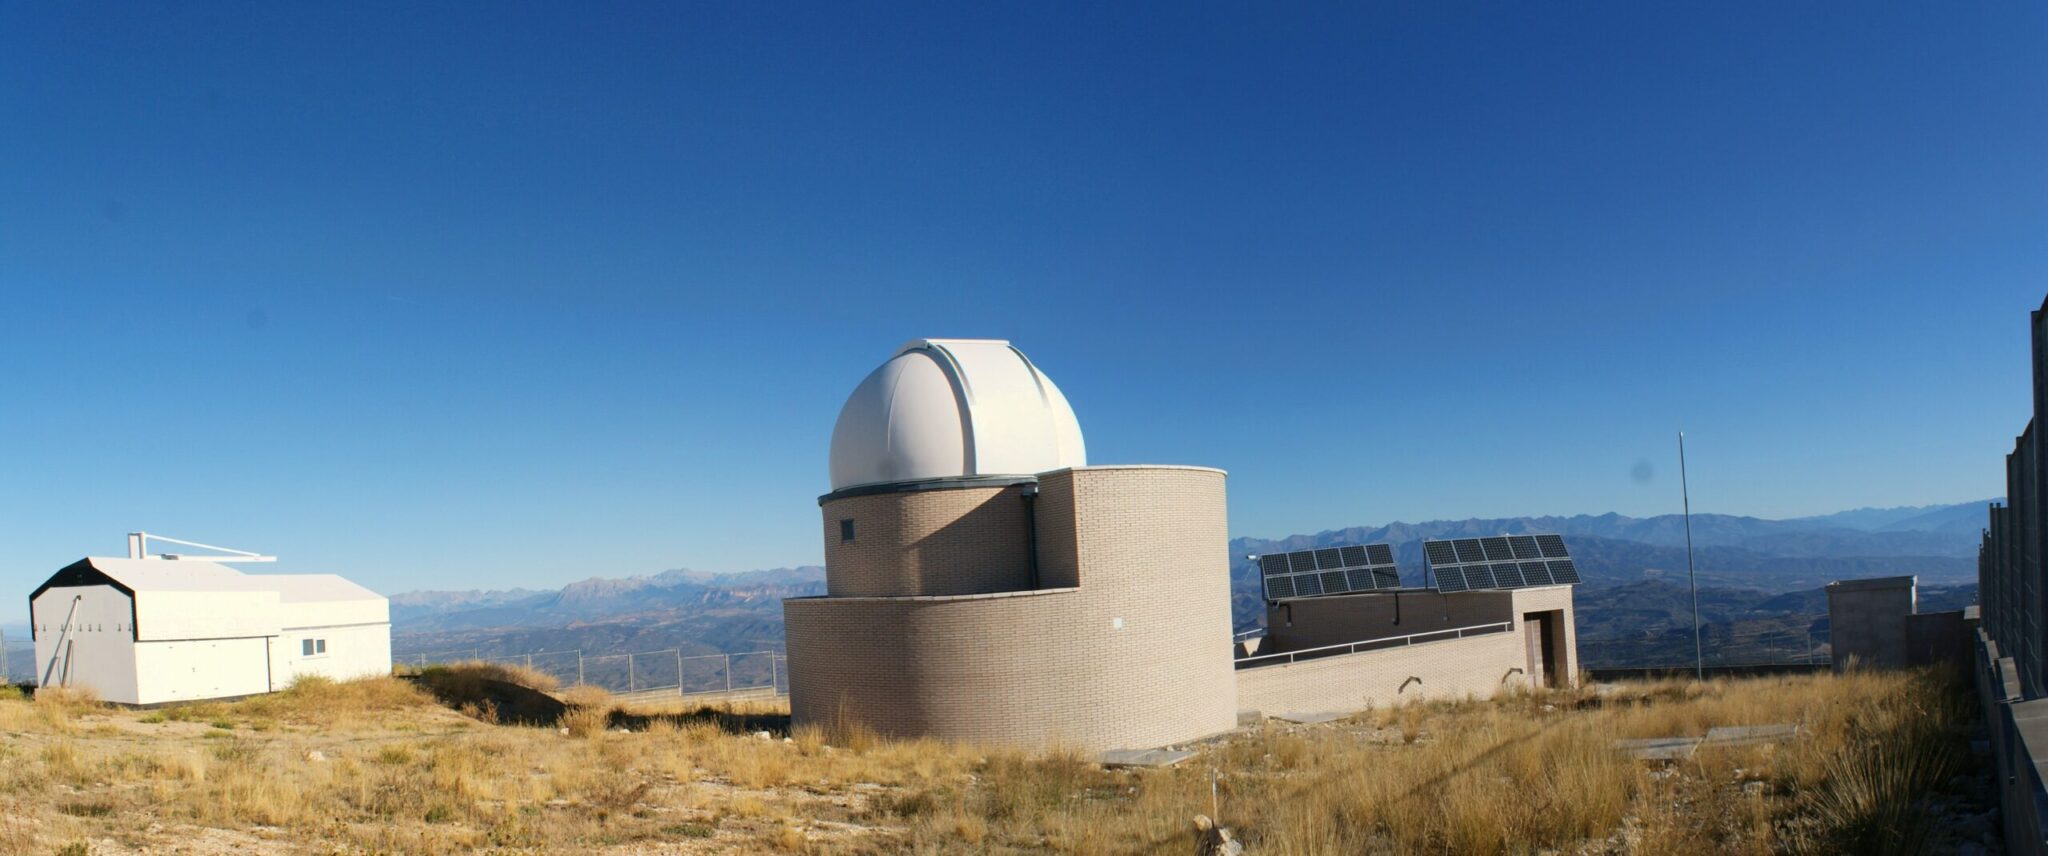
(1328, 570)
(1499, 563)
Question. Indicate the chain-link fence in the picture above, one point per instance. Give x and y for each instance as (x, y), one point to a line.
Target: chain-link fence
(1720, 645)
(642, 671)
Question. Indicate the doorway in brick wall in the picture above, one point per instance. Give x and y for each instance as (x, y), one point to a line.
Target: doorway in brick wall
(1540, 632)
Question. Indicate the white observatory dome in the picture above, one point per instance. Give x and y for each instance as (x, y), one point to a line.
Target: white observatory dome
(951, 408)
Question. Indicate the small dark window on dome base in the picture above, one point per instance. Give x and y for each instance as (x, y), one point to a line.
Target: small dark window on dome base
(846, 530)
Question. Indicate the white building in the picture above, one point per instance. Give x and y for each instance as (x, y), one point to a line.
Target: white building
(153, 630)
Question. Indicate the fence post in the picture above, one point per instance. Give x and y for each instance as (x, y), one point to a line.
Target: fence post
(679, 672)
(579, 666)
(774, 676)
(728, 674)
(629, 673)
(529, 660)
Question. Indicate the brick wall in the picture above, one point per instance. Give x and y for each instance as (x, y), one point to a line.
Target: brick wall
(1136, 656)
(963, 540)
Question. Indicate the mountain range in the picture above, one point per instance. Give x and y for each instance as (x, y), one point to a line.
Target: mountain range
(1626, 563)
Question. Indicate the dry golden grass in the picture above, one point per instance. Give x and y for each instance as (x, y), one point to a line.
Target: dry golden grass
(1526, 772)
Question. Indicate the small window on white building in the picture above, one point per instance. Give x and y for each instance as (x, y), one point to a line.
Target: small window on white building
(310, 647)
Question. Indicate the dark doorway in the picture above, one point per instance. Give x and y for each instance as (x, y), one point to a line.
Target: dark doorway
(1540, 631)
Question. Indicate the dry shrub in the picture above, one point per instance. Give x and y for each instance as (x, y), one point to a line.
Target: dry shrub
(585, 695)
(587, 721)
(71, 699)
(456, 674)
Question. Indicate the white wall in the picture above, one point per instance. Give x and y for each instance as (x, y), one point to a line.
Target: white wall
(361, 651)
(101, 639)
(175, 615)
(199, 669)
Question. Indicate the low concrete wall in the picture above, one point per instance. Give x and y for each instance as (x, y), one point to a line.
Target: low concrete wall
(2018, 732)
(1477, 666)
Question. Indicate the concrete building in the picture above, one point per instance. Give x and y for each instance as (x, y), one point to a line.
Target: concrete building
(152, 630)
(985, 584)
(1867, 621)
(1877, 623)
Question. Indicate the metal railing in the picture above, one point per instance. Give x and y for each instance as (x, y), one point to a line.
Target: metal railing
(640, 671)
(1374, 644)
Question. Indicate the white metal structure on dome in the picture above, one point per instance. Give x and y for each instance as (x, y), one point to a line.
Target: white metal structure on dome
(953, 408)
(138, 548)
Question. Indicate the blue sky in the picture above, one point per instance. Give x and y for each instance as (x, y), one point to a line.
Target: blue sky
(455, 296)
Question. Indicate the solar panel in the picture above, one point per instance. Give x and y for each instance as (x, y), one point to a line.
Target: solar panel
(1500, 562)
(1469, 550)
(1480, 577)
(1563, 572)
(1451, 578)
(1440, 552)
(1506, 575)
(1329, 570)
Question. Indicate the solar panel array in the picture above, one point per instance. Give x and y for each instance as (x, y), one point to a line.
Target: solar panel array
(1329, 570)
(1501, 562)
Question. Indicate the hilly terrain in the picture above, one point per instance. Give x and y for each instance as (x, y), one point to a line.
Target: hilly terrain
(1760, 579)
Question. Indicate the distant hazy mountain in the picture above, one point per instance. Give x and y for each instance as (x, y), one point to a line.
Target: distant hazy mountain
(1774, 537)
(688, 611)
(1967, 517)
(600, 599)
(705, 613)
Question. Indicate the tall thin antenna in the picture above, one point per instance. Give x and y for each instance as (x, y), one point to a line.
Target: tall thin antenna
(1699, 661)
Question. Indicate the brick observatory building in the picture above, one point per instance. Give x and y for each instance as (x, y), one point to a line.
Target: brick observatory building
(985, 584)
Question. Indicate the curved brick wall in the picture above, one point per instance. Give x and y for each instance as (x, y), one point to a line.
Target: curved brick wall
(1132, 652)
(962, 540)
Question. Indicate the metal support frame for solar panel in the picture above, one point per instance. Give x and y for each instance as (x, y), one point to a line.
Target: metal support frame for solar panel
(1499, 562)
(1327, 571)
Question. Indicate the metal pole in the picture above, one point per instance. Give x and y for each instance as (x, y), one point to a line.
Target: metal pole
(629, 673)
(728, 674)
(529, 661)
(679, 672)
(1699, 661)
(774, 676)
(579, 666)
